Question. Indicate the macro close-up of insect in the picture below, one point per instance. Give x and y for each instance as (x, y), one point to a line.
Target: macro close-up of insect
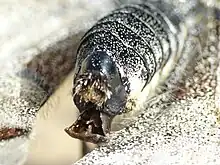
(136, 80)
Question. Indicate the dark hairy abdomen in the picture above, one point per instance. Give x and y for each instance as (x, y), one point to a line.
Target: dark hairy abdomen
(137, 37)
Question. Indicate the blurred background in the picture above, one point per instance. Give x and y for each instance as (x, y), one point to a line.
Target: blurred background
(50, 145)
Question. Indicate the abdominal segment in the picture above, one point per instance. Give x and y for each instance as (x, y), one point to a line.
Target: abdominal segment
(139, 40)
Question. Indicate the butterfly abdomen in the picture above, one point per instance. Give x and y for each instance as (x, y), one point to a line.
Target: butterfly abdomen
(117, 61)
(137, 37)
